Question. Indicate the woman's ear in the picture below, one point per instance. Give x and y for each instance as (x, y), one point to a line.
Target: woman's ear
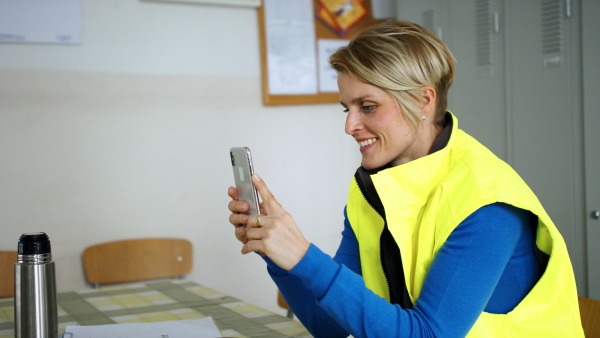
(429, 102)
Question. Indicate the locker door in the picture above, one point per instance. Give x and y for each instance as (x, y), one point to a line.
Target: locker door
(472, 31)
(543, 110)
(591, 109)
(431, 14)
(477, 94)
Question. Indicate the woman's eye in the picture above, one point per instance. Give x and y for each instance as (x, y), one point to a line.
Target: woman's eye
(363, 109)
(367, 109)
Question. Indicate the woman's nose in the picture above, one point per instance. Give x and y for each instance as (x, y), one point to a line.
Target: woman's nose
(353, 123)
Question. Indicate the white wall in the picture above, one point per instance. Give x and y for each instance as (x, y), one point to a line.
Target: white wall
(127, 135)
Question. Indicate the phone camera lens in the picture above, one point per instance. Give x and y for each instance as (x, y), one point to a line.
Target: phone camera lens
(232, 160)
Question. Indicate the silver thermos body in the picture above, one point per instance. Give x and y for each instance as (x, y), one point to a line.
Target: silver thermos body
(36, 312)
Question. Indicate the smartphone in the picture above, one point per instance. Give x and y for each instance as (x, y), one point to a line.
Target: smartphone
(241, 162)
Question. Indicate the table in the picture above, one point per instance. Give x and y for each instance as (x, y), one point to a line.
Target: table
(162, 301)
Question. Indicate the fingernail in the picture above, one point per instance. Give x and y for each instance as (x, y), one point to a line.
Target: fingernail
(256, 178)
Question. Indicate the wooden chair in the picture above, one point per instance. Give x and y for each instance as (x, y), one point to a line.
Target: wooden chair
(590, 316)
(137, 259)
(284, 305)
(7, 273)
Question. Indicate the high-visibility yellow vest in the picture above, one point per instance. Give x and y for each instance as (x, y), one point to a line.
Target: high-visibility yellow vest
(425, 199)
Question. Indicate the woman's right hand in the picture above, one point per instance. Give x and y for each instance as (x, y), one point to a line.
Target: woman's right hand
(277, 236)
(238, 218)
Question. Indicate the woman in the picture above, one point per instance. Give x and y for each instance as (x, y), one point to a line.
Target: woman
(441, 237)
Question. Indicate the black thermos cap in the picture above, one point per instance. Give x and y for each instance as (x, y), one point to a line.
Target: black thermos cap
(34, 243)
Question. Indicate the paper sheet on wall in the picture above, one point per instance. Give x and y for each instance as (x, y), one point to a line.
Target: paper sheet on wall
(327, 75)
(40, 21)
(291, 54)
(192, 328)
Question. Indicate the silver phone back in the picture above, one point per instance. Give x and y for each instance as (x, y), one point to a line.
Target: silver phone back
(241, 161)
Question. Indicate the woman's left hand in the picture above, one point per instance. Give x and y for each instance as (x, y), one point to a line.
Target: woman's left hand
(276, 234)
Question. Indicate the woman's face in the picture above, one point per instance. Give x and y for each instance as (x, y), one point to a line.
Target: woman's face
(378, 125)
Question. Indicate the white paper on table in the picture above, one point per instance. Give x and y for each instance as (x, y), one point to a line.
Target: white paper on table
(291, 54)
(327, 75)
(45, 21)
(191, 328)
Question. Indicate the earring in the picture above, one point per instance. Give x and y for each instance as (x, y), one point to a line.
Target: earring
(423, 117)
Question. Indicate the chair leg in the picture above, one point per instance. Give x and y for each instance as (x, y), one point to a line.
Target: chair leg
(290, 314)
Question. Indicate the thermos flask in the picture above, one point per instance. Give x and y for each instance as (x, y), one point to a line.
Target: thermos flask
(35, 288)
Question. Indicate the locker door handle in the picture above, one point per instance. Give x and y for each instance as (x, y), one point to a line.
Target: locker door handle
(595, 214)
(496, 19)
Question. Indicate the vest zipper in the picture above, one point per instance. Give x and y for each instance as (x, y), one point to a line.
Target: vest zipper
(389, 253)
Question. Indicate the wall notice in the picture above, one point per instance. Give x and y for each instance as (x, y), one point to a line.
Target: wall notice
(40, 21)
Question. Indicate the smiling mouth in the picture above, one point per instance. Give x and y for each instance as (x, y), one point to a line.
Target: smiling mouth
(367, 142)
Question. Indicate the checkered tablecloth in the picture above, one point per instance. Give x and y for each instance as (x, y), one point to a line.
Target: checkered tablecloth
(162, 301)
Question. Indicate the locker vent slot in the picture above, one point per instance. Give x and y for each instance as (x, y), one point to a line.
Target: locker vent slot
(552, 29)
(483, 29)
(429, 21)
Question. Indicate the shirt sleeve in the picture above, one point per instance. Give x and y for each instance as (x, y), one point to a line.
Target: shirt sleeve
(331, 299)
(302, 300)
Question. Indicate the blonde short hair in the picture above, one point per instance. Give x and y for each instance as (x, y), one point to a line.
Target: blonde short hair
(400, 57)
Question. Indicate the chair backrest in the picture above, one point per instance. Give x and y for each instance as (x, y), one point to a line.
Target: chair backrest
(137, 259)
(590, 316)
(7, 273)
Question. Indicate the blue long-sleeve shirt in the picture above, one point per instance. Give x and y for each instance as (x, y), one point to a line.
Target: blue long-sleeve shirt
(486, 264)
